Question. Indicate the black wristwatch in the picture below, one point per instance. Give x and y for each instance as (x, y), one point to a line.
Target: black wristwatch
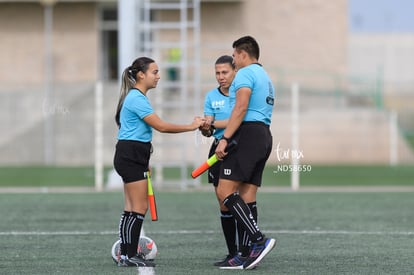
(226, 139)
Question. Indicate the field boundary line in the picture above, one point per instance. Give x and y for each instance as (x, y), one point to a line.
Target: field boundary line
(196, 232)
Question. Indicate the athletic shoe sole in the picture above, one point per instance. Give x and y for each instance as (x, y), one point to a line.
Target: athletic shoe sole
(232, 267)
(269, 247)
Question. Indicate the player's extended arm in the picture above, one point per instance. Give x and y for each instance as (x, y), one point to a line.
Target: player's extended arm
(165, 127)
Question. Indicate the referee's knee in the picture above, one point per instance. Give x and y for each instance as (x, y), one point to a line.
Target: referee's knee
(226, 188)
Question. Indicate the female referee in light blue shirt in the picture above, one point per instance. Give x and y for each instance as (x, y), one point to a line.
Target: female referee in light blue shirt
(252, 96)
(135, 118)
(216, 112)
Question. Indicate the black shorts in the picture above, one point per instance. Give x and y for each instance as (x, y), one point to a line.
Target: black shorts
(131, 160)
(214, 171)
(247, 161)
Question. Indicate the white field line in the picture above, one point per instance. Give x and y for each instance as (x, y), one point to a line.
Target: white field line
(200, 232)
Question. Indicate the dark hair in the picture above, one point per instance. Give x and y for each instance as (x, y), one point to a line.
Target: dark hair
(249, 45)
(225, 59)
(129, 78)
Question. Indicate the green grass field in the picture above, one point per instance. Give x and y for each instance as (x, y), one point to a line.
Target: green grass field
(346, 175)
(317, 233)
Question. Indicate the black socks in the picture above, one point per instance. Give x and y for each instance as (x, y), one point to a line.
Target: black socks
(242, 213)
(122, 232)
(244, 239)
(228, 224)
(129, 231)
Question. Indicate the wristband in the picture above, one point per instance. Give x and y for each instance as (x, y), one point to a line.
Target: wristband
(226, 139)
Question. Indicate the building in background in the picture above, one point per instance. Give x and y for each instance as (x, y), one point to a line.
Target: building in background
(309, 35)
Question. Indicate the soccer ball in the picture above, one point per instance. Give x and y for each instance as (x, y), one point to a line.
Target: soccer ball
(146, 248)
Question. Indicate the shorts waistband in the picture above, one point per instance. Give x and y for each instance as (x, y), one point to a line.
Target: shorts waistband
(131, 141)
(259, 123)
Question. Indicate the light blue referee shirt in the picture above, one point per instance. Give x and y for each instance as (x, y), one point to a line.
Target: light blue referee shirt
(216, 104)
(135, 108)
(262, 97)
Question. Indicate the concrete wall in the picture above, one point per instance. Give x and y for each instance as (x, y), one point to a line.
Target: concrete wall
(307, 35)
(22, 51)
(296, 34)
(327, 135)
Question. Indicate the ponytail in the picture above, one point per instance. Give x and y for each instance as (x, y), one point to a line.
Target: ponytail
(129, 78)
(128, 82)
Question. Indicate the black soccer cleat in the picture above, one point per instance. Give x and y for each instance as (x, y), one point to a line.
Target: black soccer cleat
(258, 251)
(237, 262)
(219, 263)
(124, 263)
(139, 261)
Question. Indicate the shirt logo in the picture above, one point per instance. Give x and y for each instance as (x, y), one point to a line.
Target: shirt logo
(227, 172)
(270, 100)
(218, 104)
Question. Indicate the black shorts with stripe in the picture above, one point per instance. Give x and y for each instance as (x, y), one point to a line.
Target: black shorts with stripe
(131, 160)
(247, 161)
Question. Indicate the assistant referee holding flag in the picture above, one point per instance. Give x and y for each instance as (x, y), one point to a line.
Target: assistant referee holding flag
(252, 97)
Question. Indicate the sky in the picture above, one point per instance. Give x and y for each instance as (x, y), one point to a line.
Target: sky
(381, 16)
